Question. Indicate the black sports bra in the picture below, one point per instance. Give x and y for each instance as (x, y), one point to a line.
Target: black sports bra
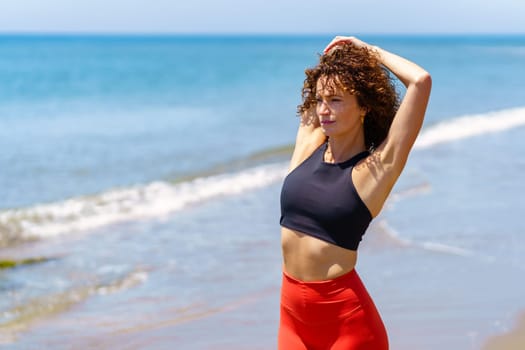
(320, 200)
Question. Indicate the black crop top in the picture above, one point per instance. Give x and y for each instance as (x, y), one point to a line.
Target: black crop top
(320, 200)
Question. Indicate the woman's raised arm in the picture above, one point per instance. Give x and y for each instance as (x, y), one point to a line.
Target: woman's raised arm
(409, 117)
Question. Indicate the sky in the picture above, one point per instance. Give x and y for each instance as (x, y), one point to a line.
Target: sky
(267, 16)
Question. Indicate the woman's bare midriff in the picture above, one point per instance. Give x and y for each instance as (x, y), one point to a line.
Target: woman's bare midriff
(307, 258)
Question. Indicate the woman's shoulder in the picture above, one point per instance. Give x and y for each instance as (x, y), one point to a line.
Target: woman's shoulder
(308, 140)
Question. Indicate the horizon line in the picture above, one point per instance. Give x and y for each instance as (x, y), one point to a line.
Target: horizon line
(253, 34)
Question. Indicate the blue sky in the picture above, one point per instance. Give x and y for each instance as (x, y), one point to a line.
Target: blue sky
(268, 16)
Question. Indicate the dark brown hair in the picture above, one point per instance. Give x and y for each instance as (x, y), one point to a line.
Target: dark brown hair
(358, 71)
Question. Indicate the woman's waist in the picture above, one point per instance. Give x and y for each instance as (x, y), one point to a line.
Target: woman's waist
(323, 302)
(308, 258)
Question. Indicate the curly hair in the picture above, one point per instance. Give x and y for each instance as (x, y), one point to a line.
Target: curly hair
(358, 71)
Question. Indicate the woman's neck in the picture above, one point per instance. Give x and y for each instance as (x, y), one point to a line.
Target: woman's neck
(343, 148)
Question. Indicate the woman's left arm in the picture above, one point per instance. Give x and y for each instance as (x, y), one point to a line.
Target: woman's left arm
(409, 117)
(408, 120)
(389, 158)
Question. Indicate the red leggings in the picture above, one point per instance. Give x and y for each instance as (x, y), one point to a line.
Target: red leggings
(336, 314)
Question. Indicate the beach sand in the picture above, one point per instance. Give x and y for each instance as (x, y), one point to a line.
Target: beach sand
(513, 340)
(251, 320)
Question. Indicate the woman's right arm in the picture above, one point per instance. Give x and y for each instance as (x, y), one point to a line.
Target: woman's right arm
(309, 137)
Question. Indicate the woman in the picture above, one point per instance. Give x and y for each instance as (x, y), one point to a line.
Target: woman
(353, 142)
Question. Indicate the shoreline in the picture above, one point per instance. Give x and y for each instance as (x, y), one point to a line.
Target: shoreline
(511, 340)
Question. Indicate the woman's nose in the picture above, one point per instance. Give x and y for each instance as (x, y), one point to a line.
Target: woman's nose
(322, 108)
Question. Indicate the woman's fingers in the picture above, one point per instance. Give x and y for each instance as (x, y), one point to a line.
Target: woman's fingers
(340, 40)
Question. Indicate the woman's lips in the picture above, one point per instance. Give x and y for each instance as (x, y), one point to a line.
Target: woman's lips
(327, 122)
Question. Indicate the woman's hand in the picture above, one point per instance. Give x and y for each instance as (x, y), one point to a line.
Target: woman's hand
(341, 40)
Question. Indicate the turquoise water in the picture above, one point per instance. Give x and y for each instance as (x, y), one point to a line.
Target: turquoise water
(148, 169)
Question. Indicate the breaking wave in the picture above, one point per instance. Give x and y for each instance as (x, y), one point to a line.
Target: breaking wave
(162, 198)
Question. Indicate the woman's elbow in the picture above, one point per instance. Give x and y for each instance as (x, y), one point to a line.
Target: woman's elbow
(424, 81)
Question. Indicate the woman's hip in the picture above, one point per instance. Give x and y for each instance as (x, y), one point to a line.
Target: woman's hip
(315, 302)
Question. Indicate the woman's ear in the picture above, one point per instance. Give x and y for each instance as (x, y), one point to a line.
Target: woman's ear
(363, 112)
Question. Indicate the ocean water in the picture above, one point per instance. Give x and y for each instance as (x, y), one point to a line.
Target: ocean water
(145, 173)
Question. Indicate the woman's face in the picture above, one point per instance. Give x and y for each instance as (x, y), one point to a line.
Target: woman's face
(337, 109)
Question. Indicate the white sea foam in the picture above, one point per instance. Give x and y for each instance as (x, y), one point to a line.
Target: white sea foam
(445, 248)
(469, 126)
(162, 198)
(395, 238)
(141, 202)
(414, 190)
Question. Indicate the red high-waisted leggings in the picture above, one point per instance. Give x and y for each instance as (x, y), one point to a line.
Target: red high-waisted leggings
(336, 314)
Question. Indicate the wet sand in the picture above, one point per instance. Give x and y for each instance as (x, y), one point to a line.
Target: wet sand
(513, 340)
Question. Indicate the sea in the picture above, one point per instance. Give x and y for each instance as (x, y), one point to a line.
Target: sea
(140, 179)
